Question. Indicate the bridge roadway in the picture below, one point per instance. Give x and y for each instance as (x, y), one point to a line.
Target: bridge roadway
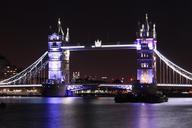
(36, 89)
(123, 86)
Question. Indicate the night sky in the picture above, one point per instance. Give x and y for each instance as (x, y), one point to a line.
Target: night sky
(24, 28)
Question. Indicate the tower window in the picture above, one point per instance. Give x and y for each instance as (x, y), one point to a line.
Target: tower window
(54, 44)
(144, 55)
(144, 65)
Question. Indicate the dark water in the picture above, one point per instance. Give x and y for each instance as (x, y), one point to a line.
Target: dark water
(37, 112)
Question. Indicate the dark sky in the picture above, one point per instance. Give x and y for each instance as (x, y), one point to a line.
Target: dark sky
(24, 27)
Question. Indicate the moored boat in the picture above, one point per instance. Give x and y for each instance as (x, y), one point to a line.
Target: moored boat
(53, 90)
(145, 98)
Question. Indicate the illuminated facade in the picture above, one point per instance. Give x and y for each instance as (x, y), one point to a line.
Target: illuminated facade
(59, 54)
(146, 60)
(58, 58)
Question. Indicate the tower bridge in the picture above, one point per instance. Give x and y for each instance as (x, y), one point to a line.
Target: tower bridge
(52, 68)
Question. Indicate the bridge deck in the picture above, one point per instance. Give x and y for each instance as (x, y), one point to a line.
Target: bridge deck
(102, 47)
(100, 85)
(22, 85)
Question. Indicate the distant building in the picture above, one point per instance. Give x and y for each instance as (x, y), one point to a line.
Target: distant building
(104, 78)
(9, 71)
(76, 76)
(6, 69)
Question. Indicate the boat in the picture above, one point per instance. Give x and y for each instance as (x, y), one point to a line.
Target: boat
(53, 90)
(143, 93)
(142, 98)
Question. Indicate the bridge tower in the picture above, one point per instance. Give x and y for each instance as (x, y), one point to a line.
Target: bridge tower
(58, 68)
(146, 59)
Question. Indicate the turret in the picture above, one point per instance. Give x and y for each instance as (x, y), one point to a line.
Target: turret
(147, 30)
(154, 31)
(67, 36)
(60, 30)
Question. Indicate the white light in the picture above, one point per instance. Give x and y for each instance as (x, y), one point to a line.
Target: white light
(54, 49)
(59, 22)
(144, 78)
(150, 45)
(54, 65)
(138, 46)
(54, 55)
(66, 54)
(175, 85)
(115, 85)
(129, 45)
(26, 85)
(53, 36)
(67, 35)
(72, 47)
(117, 46)
(98, 43)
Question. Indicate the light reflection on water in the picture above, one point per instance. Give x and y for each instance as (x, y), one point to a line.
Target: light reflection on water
(76, 112)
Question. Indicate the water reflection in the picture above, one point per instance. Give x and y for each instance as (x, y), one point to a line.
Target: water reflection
(66, 100)
(145, 119)
(93, 113)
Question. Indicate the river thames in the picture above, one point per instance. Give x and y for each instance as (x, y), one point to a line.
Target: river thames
(101, 112)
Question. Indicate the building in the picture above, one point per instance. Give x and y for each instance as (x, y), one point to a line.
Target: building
(6, 68)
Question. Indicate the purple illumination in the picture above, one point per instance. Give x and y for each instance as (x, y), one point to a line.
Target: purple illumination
(145, 76)
(146, 43)
(55, 75)
(55, 65)
(150, 45)
(55, 57)
(54, 36)
(138, 46)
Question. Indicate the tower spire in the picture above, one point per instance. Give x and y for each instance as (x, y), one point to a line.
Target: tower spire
(154, 31)
(67, 36)
(147, 30)
(60, 30)
(146, 16)
(147, 24)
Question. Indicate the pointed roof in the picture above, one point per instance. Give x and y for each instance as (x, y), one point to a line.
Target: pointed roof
(146, 22)
(67, 36)
(147, 30)
(60, 29)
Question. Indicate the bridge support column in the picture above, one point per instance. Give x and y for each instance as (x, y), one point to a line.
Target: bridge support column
(146, 59)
